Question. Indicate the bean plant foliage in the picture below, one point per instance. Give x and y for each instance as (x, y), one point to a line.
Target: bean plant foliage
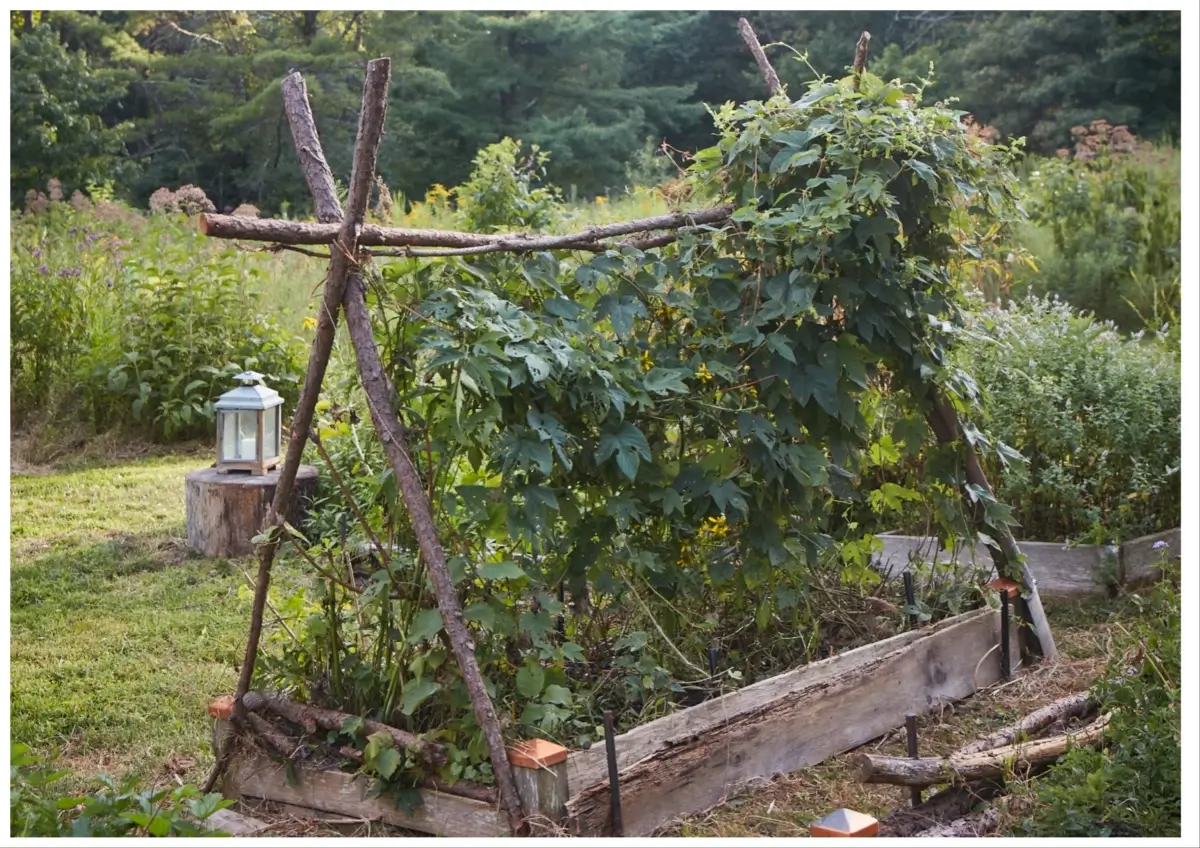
(669, 435)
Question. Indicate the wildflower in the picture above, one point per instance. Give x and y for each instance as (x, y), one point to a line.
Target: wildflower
(43, 270)
(647, 362)
(37, 254)
(1160, 544)
(717, 527)
(703, 373)
(601, 200)
(69, 272)
(310, 323)
(109, 284)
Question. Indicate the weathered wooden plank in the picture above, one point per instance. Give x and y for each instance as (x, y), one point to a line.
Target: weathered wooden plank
(586, 768)
(797, 725)
(1060, 570)
(1140, 558)
(254, 776)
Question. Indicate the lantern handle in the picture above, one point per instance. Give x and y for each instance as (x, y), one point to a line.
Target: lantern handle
(249, 377)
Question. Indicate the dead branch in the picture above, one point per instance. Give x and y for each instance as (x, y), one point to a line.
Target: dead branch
(860, 57)
(370, 235)
(311, 718)
(1078, 705)
(764, 64)
(926, 771)
(978, 824)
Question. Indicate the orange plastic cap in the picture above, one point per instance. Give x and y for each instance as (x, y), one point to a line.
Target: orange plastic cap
(1003, 583)
(222, 707)
(536, 753)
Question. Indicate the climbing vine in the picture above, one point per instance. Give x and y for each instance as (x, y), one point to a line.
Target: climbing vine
(675, 433)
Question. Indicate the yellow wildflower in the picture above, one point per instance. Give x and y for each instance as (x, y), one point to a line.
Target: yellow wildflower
(310, 323)
(647, 362)
(703, 373)
(715, 527)
(601, 200)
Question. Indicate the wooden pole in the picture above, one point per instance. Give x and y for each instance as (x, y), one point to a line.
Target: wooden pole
(764, 64)
(304, 133)
(1037, 637)
(381, 401)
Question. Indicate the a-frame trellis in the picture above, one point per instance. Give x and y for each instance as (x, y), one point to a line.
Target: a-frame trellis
(348, 238)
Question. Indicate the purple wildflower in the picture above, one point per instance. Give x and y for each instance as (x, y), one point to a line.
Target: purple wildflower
(37, 254)
(1160, 544)
(73, 230)
(43, 270)
(109, 284)
(69, 272)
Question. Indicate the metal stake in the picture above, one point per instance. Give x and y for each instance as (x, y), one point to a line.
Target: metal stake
(910, 725)
(1005, 658)
(562, 622)
(910, 598)
(712, 659)
(614, 781)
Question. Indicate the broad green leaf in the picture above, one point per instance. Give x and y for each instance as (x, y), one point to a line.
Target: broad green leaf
(629, 447)
(503, 570)
(426, 625)
(416, 692)
(556, 694)
(666, 380)
(531, 677)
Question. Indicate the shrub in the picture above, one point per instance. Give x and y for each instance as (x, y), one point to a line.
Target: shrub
(38, 810)
(1134, 786)
(1112, 212)
(1095, 413)
(134, 321)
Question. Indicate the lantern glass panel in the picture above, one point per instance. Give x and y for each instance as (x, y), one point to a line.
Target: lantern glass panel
(271, 432)
(239, 435)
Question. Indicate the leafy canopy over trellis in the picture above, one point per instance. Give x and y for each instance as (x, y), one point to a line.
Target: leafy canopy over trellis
(603, 415)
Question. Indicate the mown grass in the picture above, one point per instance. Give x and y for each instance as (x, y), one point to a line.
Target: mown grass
(119, 636)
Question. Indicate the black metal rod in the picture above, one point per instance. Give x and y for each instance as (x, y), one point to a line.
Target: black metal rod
(910, 598)
(712, 660)
(910, 725)
(562, 622)
(614, 781)
(1005, 656)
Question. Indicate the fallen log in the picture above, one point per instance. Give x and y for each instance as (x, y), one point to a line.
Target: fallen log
(978, 824)
(950, 803)
(926, 771)
(1079, 705)
(310, 718)
(462, 788)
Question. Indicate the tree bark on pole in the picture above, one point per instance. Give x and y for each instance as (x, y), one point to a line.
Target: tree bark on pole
(381, 400)
(764, 64)
(1036, 639)
(304, 133)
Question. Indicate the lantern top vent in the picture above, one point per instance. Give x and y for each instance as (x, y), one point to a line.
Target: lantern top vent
(249, 396)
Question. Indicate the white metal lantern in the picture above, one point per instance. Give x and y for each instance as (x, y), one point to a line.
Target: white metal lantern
(249, 427)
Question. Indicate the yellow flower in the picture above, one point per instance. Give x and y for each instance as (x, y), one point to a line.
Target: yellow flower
(310, 323)
(601, 200)
(703, 373)
(715, 527)
(647, 362)
(753, 392)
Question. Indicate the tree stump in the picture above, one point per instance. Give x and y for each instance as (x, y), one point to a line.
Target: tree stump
(226, 511)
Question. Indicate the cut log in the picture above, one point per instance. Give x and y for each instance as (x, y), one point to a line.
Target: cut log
(874, 768)
(1079, 705)
(226, 511)
(951, 803)
(310, 718)
(979, 824)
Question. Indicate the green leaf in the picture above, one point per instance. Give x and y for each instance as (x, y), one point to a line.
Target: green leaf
(666, 380)
(426, 624)
(573, 652)
(530, 679)
(779, 343)
(503, 570)
(352, 726)
(536, 624)
(628, 445)
(481, 612)
(416, 692)
(386, 762)
(556, 694)
(621, 311)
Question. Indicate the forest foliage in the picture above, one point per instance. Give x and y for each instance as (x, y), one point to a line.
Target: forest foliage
(142, 99)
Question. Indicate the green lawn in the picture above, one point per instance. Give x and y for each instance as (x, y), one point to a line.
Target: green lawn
(119, 635)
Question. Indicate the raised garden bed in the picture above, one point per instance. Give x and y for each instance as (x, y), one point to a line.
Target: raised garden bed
(692, 759)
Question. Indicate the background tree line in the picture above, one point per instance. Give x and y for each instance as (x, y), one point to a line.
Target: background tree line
(138, 100)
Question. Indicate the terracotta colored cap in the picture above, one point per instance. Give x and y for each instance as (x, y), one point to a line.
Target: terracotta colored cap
(1003, 583)
(536, 753)
(845, 822)
(222, 707)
